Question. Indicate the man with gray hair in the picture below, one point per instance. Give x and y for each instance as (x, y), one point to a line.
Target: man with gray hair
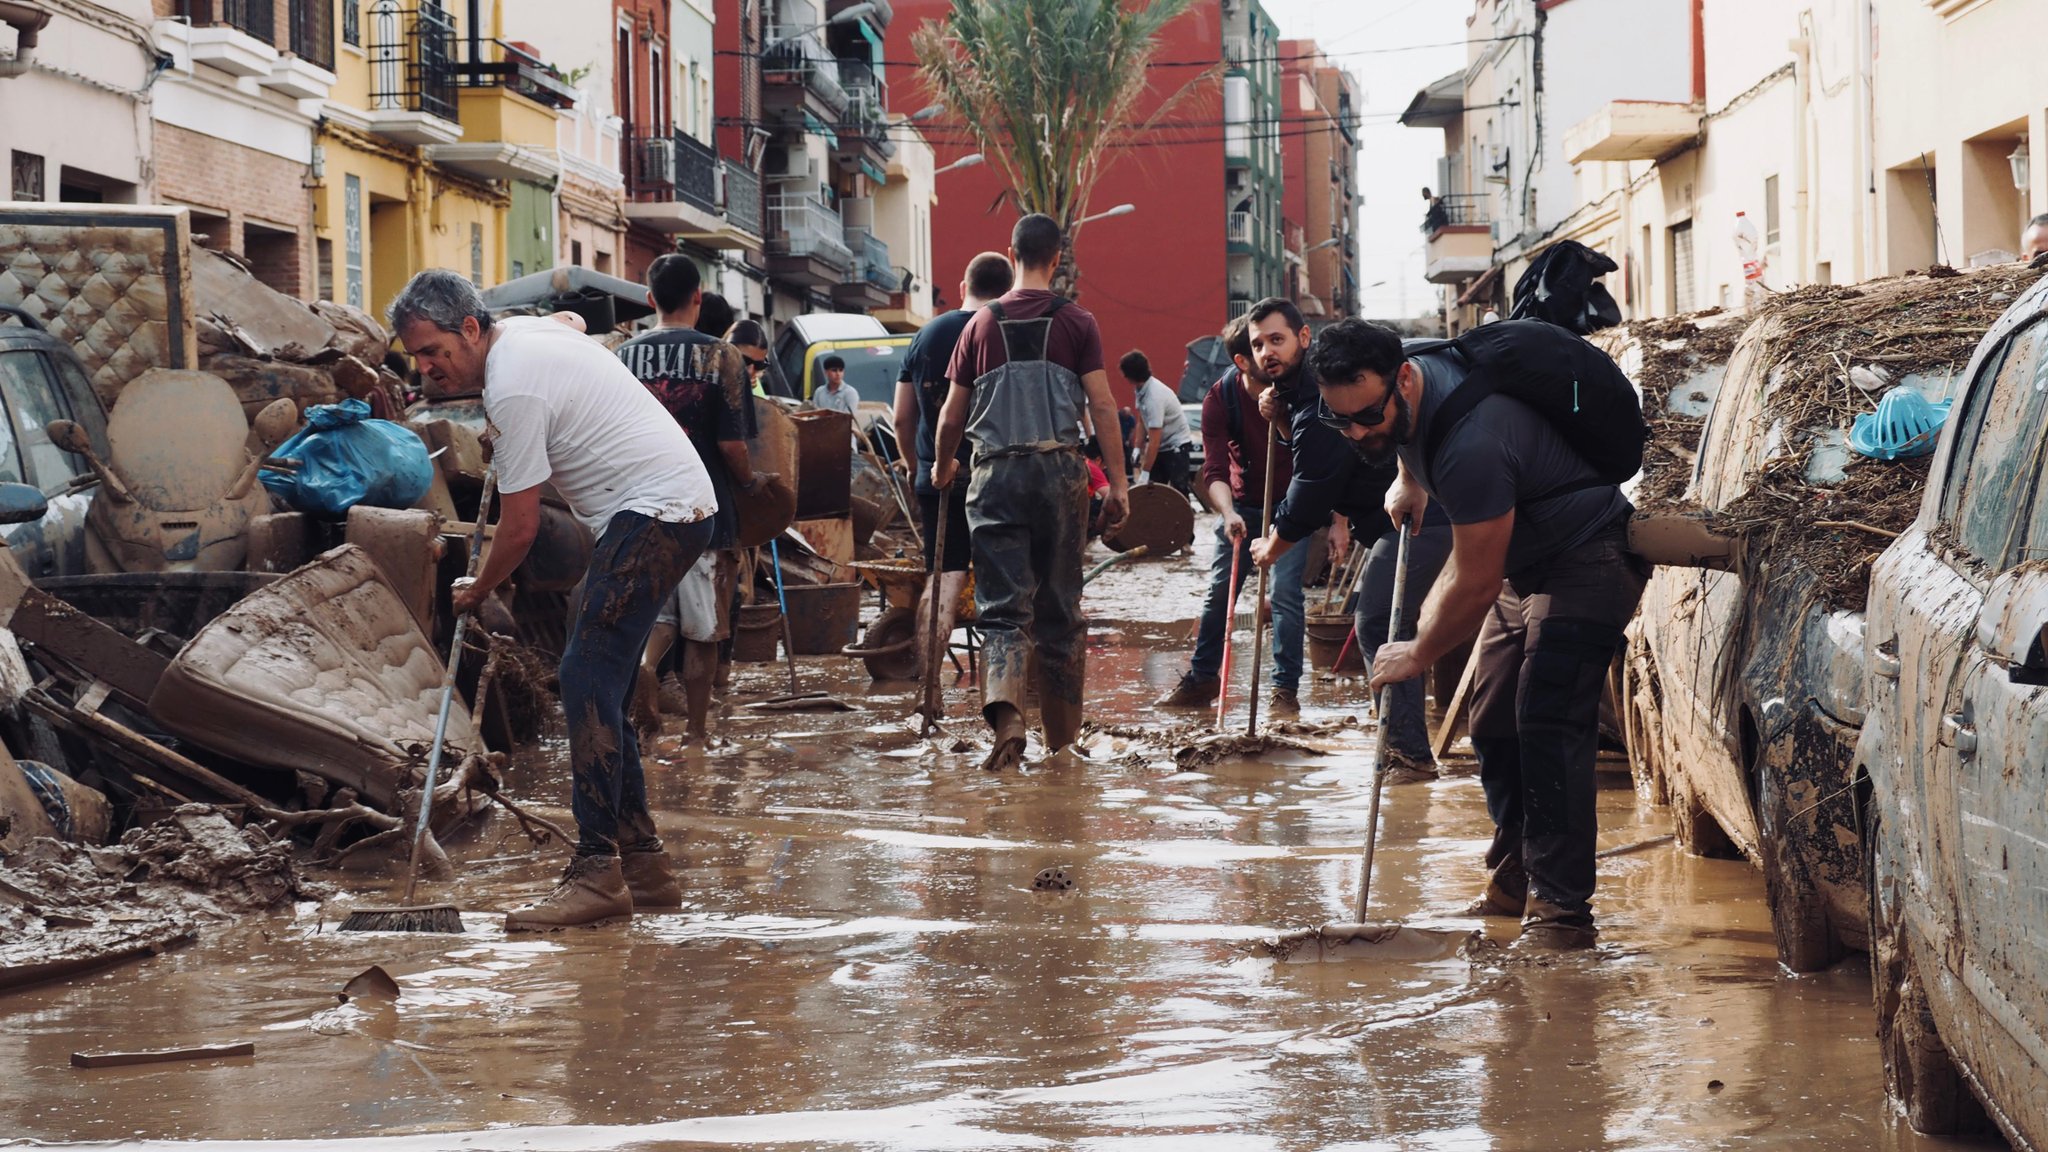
(563, 410)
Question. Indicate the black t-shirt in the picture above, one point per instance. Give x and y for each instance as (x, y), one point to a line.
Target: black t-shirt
(924, 367)
(702, 382)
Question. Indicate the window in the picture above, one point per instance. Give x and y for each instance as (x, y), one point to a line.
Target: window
(657, 108)
(352, 238)
(1680, 264)
(476, 254)
(1998, 452)
(352, 23)
(576, 253)
(1770, 211)
(28, 176)
(32, 400)
(623, 66)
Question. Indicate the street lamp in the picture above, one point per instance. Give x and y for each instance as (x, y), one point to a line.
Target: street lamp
(1119, 210)
(1319, 246)
(970, 160)
(843, 16)
(927, 112)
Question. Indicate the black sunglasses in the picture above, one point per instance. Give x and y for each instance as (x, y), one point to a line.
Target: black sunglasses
(756, 365)
(1364, 417)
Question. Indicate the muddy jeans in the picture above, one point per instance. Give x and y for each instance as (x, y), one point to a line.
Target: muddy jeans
(636, 565)
(1285, 588)
(1029, 515)
(1407, 718)
(1544, 652)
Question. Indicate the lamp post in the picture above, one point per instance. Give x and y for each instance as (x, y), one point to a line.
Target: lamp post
(1322, 244)
(1119, 210)
(970, 160)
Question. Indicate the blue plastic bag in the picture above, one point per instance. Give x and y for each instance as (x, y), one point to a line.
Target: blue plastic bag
(345, 458)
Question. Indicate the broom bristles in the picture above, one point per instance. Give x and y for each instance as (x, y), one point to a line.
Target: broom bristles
(416, 918)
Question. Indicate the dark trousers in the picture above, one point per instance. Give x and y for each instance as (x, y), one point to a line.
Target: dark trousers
(1029, 517)
(1544, 653)
(637, 563)
(1171, 467)
(958, 545)
(1407, 718)
(1285, 590)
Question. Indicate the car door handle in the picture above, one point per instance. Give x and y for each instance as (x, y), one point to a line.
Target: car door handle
(1886, 665)
(1962, 736)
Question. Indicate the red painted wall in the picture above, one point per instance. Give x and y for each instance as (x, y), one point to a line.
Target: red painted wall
(1154, 279)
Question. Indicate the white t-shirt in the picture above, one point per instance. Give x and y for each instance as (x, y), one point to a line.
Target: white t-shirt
(1159, 408)
(845, 400)
(563, 408)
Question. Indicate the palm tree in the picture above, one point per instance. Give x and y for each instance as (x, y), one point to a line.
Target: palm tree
(1046, 89)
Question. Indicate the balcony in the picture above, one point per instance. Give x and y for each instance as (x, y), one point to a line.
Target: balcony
(238, 37)
(1632, 130)
(798, 75)
(909, 308)
(678, 185)
(1237, 306)
(871, 278)
(1237, 233)
(412, 73)
(880, 17)
(807, 241)
(312, 34)
(507, 102)
(494, 65)
(1460, 239)
(862, 141)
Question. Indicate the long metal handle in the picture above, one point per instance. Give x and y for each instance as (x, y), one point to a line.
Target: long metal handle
(476, 555)
(1251, 724)
(782, 607)
(1379, 758)
(935, 645)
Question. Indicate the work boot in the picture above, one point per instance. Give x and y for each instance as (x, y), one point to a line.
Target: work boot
(1062, 721)
(1507, 891)
(673, 700)
(1192, 692)
(1284, 702)
(1402, 769)
(592, 891)
(1547, 927)
(651, 878)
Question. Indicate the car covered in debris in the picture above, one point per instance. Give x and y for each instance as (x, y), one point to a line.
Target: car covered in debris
(41, 380)
(1741, 689)
(1952, 761)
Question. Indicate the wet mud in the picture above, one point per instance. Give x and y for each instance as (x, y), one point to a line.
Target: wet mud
(882, 947)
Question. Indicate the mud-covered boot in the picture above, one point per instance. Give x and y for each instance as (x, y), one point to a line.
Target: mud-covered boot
(1507, 891)
(674, 701)
(651, 878)
(592, 891)
(1062, 721)
(1192, 692)
(1402, 769)
(1548, 927)
(1007, 742)
(1283, 702)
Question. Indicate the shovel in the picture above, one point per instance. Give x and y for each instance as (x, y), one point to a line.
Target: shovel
(796, 701)
(1362, 940)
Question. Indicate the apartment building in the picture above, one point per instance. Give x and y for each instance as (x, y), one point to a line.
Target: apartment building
(1319, 181)
(95, 62)
(1255, 230)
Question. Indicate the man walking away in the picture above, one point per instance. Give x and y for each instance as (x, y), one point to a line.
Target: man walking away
(1169, 447)
(1025, 367)
(564, 410)
(920, 393)
(1234, 438)
(702, 382)
(1527, 507)
(834, 395)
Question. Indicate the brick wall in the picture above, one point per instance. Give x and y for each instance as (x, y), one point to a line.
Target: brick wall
(226, 179)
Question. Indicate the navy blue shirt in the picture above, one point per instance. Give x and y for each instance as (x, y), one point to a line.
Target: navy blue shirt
(924, 367)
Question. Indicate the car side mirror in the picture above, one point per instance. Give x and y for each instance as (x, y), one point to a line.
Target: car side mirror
(21, 503)
(66, 434)
(2012, 627)
(276, 422)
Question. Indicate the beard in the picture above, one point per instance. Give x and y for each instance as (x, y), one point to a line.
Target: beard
(1399, 431)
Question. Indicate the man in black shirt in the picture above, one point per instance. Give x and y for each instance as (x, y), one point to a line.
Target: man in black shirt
(702, 381)
(920, 393)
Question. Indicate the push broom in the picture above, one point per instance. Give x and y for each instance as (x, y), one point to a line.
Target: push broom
(411, 917)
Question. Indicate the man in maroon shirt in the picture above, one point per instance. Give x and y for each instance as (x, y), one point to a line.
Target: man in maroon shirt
(1234, 435)
(1026, 369)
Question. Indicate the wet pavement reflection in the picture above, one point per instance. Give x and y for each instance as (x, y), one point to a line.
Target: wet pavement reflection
(862, 962)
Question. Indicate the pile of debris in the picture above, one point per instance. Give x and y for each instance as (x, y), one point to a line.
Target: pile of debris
(1678, 363)
(267, 345)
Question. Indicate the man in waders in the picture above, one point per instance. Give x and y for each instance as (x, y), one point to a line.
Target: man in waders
(564, 411)
(1025, 368)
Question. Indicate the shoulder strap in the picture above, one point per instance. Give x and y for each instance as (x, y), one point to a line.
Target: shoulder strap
(996, 307)
(1233, 414)
(1458, 405)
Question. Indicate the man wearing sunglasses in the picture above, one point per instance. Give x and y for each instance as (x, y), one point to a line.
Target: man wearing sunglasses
(1539, 569)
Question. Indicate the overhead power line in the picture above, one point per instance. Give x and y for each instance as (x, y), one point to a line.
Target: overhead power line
(1278, 58)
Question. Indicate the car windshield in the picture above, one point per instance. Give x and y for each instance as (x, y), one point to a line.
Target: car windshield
(870, 368)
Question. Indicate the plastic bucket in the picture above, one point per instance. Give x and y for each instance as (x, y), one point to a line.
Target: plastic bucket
(756, 634)
(1326, 633)
(823, 618)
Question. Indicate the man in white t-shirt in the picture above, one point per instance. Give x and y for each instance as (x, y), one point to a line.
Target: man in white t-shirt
(1166, 450)
(564, 410)
(833, 393)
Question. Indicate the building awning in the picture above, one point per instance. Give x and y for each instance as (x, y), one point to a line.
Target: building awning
(1437, 105)
(1481, 288)
(817, 127)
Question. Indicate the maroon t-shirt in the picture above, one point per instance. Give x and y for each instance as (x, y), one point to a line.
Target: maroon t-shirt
(1240, 460)
(1074, 341)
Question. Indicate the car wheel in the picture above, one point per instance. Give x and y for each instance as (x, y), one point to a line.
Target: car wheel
(1639, 733)
(1919, 1075)
(1799, 915)
(1697, 830)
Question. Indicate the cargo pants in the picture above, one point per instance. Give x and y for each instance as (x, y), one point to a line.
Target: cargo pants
(1544, 652)
(1029, 517)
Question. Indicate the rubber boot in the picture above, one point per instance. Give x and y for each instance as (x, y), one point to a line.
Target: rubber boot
(592, 891)
(650, 878)
(1507, 891)
(1006, 748)
(1547, 927)
(1062, 720)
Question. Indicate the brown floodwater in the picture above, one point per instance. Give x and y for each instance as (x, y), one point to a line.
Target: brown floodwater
(862, 963)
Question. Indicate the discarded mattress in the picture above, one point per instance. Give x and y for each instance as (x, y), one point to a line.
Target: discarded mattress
(324, 671)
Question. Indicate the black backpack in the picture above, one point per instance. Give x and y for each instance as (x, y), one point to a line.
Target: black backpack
(1575, 386)
(1561, 285)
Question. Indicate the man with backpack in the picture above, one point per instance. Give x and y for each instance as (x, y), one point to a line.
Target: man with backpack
(1022, 374)
(1521, 432)
(1234, 439)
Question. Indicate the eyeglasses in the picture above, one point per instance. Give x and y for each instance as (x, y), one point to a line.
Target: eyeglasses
(1364, 417)
(753, 365)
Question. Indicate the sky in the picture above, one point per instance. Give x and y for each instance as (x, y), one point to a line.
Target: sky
(1377, 41)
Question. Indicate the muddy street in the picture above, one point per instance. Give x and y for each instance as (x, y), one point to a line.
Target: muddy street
(862, 961)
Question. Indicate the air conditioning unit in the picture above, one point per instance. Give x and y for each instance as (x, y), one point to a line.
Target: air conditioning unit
(780, 162)
(655, 160)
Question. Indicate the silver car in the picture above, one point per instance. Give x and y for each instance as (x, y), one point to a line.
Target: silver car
(1952, 761)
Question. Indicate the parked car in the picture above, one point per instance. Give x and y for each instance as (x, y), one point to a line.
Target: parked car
(1742, 690)
(41, 380)
(1952, 762)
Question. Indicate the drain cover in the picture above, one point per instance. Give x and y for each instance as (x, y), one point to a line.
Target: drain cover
(1053, 879)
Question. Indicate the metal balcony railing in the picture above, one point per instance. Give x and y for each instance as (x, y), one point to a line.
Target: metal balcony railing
(412, 58)
(801, 225)
(256, 17)
(801, 58)
(1239, 228)
(742, 196)
(871, 260)
(672, 166)
(496, 64)
(1239, 306)
(1462, 208)
(867, 103)
(312, 31)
